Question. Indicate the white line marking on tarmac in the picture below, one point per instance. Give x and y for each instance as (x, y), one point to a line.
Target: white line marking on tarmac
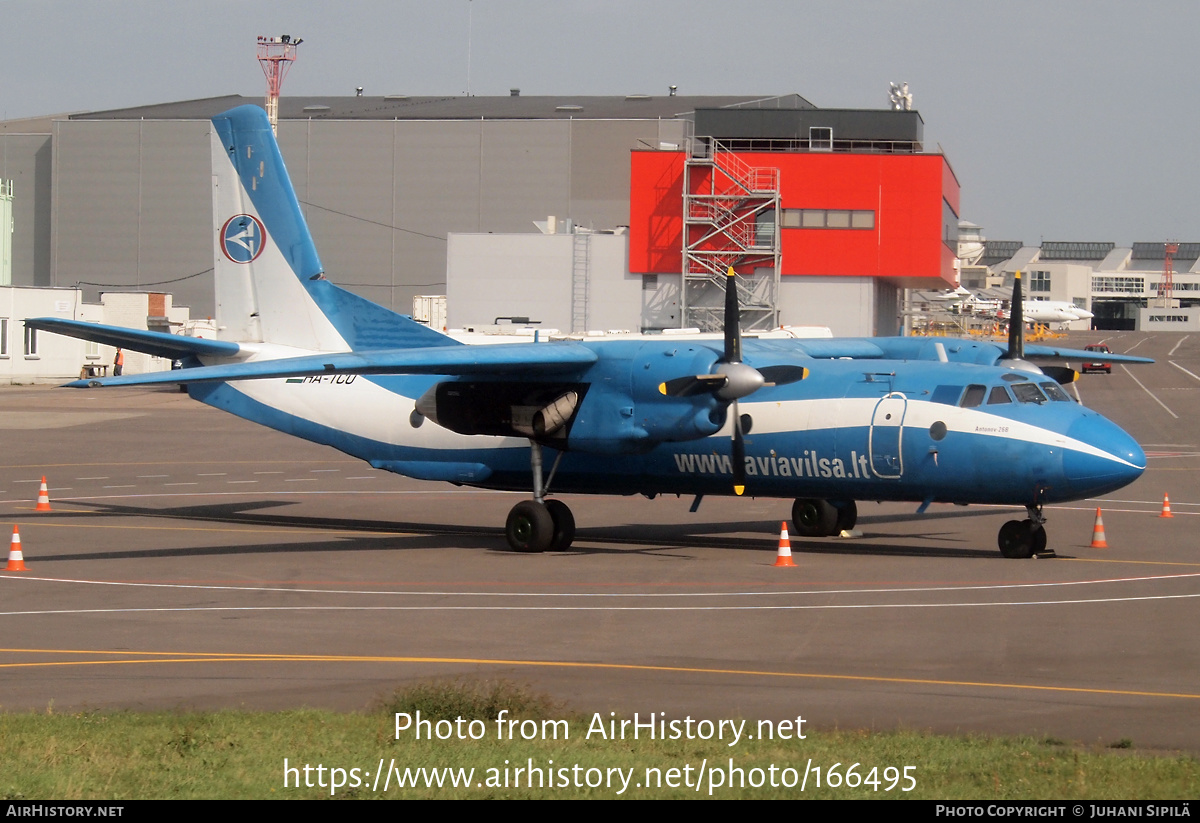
(1185, 371)
(1147, 391)
(1171, 353)
(175, 484)
(314, 471)
(234, 482)
(77, 478)
(1135, 345)
(824, 607)
(616, 595)
(127, 486)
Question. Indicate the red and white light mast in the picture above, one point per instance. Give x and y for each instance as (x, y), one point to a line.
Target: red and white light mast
(276, 55)
(1166, 286)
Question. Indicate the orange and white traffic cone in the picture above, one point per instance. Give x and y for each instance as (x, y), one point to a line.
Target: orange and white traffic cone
(1098, 539)
(784, 558)
(43, 498)
(16, 561)
(1166, 512)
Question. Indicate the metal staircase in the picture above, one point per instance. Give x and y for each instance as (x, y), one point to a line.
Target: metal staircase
(730, 218)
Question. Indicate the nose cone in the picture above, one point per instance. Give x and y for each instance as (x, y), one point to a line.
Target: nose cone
(1102, 459)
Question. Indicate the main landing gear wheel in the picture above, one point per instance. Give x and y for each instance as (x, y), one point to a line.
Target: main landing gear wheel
(814, 518)
(1021, 539)
(530, 527)
(564, 525)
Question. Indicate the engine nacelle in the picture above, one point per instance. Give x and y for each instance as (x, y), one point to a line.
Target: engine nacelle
(542, 411)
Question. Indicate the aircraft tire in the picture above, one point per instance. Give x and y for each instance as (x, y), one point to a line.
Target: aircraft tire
(564, 525)
(529, 528)
(814, 518)
(1016, 539)
(1039, 538)
(847, 517)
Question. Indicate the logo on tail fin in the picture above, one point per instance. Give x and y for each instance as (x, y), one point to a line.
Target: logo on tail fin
(243, 238)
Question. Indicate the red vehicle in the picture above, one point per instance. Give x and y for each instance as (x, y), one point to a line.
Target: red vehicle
(1098, 365)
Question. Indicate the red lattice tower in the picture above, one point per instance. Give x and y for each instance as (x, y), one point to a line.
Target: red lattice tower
(1166, 286)
(276, 55)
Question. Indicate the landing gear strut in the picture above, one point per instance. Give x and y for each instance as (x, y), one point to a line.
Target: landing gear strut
(540, 525)
(1023, 538)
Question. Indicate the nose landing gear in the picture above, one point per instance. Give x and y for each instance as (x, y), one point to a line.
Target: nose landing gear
(1023, 538)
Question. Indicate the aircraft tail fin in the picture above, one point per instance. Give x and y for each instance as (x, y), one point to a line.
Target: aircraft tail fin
(270, 282)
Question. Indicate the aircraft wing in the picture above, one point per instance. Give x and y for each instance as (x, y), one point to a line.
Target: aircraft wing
(513, 360)
(1038, 352)
(855, 348)
(159, 344)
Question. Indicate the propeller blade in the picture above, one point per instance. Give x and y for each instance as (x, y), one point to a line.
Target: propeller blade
(1016, 322)
(733, 331)
(1061, 374)
(692, 385)
(782, 375)
(738, 451)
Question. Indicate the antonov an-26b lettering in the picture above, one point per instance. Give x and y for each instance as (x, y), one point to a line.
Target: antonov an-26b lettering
(824, 422)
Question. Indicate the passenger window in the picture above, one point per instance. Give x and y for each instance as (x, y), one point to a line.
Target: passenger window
(973, 396)
(998, 395)
(1028, 393)
(1055, 393)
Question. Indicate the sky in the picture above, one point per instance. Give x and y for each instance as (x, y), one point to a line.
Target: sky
(1063, 120)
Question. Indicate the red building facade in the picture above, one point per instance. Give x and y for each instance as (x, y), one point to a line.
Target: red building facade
(842, 214)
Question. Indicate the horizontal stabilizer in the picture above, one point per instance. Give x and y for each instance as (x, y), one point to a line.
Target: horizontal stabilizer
(512, 361)
(156, 343)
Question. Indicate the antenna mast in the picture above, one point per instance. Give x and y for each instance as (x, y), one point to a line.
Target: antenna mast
(276, 55)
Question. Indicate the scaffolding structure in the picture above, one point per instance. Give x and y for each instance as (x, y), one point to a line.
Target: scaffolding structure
(276, 55)
(1166, 286)
(730, 218)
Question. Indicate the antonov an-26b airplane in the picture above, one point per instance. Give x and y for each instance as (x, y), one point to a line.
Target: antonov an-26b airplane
(825, 422)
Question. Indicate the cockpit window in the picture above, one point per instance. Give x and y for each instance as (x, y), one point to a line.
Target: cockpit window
(946, 394)
(973, 396)
(1055, 393)
(1013, 377)
(1028, 393)
(998, 395)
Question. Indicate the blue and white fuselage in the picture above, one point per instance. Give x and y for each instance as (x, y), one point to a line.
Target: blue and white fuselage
(867, 430)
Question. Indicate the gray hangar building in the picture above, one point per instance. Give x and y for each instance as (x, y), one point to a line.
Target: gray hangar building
(404, 193)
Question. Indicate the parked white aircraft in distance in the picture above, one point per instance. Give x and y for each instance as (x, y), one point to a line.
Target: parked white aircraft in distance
(1054, 311)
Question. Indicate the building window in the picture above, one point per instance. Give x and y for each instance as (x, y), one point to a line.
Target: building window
(820, 138)
(1039, 281)
(91, 350)
(30, 342)
(3, 337)
(1119, 285)
(827, 219)
(949, 227)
